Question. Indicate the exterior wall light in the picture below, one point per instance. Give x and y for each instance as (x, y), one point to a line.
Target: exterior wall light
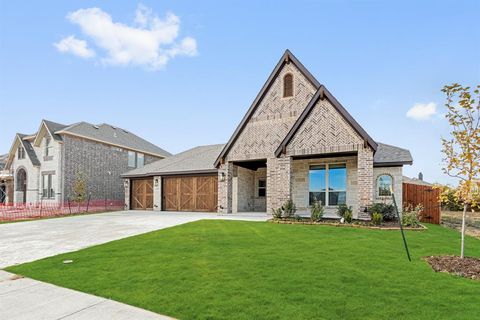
(125, 183)
(222, 176)
(156, 182)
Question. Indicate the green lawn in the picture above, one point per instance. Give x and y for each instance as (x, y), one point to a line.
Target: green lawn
(254, 270)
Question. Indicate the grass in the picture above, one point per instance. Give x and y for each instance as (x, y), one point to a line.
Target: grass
(254, 270)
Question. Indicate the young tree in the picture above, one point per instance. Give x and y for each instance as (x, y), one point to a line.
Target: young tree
(462, 150)
(79, 188)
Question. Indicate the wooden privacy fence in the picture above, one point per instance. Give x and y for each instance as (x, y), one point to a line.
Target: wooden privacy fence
(414, 194)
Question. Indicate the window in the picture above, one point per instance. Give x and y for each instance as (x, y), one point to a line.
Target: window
(136, 160)
(140, 160)
(48, 147)
(262, 188)
(47, 187)
(385, 185)
(328, 184)
(132, 159)
(21, 153)
(288, 85)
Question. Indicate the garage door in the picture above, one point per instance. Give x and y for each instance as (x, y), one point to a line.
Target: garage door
(142, 194)
(199, 193)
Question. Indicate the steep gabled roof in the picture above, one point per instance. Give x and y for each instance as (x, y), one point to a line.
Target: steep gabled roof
(54, 127)
(26, 144)
(286, 57)
(196, 160)
(112, 135)
(323, 93)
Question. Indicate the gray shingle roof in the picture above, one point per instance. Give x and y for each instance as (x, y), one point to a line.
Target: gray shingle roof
(53, 127)
(114, 135)
(3, 161)
(195, 160)
(201, 159)
(387, 154)
(416, 181)
(29, 149)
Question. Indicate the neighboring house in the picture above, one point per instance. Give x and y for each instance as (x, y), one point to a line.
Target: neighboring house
(47, 164)
(296, 142)
(6, 181)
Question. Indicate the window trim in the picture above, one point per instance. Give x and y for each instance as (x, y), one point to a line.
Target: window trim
(48, 146)
(327, 177)
(21, 153)
(377, 186)
(284, 85)
(136, 157)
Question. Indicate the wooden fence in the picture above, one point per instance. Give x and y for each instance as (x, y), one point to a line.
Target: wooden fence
(414, 194)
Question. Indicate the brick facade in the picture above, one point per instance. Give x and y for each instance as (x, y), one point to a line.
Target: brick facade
(101, 164)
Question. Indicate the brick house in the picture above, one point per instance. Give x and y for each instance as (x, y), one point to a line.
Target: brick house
(296, 141)
(45, 165)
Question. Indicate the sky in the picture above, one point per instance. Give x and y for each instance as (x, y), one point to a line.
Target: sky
(183, 73)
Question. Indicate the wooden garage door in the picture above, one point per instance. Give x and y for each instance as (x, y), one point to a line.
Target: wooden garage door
(197, 193)
(142, 194)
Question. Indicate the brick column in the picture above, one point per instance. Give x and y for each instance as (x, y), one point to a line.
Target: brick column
(279, 189)
(225, 173)
(365, 181)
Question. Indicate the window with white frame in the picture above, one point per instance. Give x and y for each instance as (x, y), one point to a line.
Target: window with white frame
(385, 185)
(136, 159)
(328, 184)
(47, 186)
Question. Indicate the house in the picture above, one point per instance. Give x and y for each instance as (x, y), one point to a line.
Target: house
(46, 165)
(296, 142)
(6, 181)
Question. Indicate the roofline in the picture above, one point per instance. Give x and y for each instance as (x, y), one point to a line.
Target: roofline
(392, 164)
(170, 173)
(12, 151)
(109, 143)
(286, 57)
(321, 94)
(35, 142)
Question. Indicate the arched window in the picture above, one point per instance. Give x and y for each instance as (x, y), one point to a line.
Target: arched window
(385, 185)
(288, 85)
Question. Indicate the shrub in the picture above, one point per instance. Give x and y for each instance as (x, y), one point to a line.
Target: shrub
(289, 208)
(348, 216)
(316, 211)
(411, 216)
(386, 210)
(277, 213)
(343, 209)
(377, 218)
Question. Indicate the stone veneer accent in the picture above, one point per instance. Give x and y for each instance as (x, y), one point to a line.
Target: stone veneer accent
(397, 174)
(225, 172)
(278, 182)
(365, 180)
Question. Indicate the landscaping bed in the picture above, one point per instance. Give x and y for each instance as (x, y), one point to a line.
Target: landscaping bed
(386, 225)
(467, 267)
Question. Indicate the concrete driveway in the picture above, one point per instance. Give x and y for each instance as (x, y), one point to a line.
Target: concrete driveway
(32, 240)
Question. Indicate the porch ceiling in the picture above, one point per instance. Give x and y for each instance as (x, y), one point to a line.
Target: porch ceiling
(251, 164)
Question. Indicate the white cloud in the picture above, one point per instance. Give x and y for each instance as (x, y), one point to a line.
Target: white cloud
(422, 111)
(74, 46)
(149, 42)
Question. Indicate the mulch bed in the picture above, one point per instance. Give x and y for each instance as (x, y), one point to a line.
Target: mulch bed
(467, 267)
(390, 225)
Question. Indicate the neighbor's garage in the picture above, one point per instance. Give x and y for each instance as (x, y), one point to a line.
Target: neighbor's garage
(142, 194)
(190, 193)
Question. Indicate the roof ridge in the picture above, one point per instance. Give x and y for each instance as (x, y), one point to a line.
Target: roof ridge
(286, 57)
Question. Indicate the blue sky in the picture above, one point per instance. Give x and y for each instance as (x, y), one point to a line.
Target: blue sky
(379, 58)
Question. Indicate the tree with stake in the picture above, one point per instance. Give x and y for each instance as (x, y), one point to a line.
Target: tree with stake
(462, 150)
(79, 189)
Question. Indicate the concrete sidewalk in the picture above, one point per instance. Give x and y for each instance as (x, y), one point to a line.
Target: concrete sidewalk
(27, 299)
